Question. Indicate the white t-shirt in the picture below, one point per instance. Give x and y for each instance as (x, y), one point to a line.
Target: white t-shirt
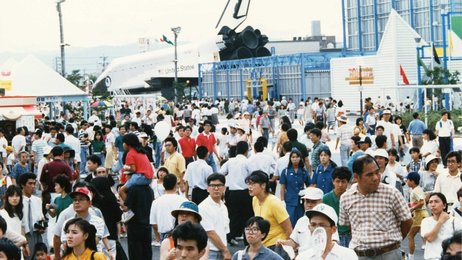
(433, 249)
(13, 223)
(214, 217)
(161, 209)
(3, 142)
(17, 142)
(444, 128)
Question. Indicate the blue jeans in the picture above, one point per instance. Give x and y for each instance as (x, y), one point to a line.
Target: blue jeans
(266, 133)
(119, 164)
(215, 255)
(137, 179)
(212, 163)
(280, 251)
(345, 240)
(344, 154)
(83, 158)
(158, 152)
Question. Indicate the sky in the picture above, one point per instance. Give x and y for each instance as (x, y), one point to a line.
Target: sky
(28, 26)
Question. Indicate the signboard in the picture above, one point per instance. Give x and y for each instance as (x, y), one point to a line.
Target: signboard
(27, 121)
(49, 99)
(366, 76)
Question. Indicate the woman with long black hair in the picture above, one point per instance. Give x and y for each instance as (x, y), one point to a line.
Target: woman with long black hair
(81, 243)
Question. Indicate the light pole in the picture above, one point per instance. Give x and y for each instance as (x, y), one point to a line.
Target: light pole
(61, 35)
(361, 90)
(176, 31)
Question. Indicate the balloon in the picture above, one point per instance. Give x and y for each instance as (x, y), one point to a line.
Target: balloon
(162, 130)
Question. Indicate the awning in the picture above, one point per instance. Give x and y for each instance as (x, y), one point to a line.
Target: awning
(11, 113)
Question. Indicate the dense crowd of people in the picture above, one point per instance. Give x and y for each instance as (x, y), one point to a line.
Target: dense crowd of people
(228, 171)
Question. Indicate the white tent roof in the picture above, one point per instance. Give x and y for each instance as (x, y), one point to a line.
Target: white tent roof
(31, 77)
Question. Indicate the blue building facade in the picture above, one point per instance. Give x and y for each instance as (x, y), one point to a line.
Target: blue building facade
(364, 20)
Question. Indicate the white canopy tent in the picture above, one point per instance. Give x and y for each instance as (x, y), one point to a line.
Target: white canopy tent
(32, 77)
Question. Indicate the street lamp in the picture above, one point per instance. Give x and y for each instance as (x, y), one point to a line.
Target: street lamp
(190, 90)
(176, 31)
(61, 34)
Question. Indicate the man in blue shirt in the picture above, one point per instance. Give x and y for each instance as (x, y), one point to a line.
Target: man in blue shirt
(416, 128)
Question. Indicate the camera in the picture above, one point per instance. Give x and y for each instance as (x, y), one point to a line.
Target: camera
(41, 224)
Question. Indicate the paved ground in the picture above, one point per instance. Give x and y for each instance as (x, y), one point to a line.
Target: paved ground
(336, 158)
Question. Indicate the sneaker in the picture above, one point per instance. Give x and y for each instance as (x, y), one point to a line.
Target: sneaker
(233, 242)
(155, 243)
(239, 238)
(126, 216)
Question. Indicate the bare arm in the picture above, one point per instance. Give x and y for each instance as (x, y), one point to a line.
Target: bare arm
(213, 236)
(405, 227)
(287, 227)
(57, 247)
(433, 234)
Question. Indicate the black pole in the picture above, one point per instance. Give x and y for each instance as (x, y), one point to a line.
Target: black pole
(361, 90)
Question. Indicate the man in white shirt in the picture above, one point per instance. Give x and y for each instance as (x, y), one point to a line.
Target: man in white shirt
(239, 202)
(74, 143)
(160, 218)
(94, 119)
(324, 216)
(19, 141)
(450, 182)
(137, 118)
(281, 164)
(262, 161)
(3, 145)
(444, 129)
(33, 218)
(387, 128)
(215, 218)
(196, 176)
(344, 134)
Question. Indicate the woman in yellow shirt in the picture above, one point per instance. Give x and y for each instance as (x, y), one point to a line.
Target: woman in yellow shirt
(81, 244)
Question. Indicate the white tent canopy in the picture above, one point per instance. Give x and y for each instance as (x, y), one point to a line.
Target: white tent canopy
(31, 77)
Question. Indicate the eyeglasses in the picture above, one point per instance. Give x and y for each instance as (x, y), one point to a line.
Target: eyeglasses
(168, 144)
(251, 230)
(101, 172)
(216, 186)
(313, 226)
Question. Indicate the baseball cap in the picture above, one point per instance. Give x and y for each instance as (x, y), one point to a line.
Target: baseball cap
(414, 176)
(325, 210)
(188, 206)
(143, 135)
(82, 191)
(312, 193)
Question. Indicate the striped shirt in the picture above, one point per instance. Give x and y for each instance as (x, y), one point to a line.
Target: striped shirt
(37, 147)
(374, 218)
(345, 132)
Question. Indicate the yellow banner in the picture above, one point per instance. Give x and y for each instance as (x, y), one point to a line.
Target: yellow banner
(6, 84)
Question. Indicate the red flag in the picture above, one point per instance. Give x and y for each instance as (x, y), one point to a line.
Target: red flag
(403, 75)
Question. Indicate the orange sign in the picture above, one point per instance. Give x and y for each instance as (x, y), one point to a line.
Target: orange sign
(364, 78)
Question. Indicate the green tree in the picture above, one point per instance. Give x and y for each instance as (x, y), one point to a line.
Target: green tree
(75, 78)
(438, 75)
